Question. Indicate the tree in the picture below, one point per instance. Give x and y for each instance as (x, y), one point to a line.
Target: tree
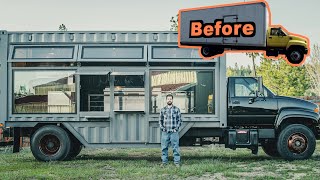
(236, 71)
(313, 70)
(282, 78)
(253, 56)
(174, 23)
(63, 27)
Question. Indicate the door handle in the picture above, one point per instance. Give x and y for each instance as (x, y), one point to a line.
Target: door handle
(270, 37)
(236, 102)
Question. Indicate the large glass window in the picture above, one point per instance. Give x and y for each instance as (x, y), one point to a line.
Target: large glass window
(129, 93)
(44, 91)
(193, 91)
(43, 52)
(174, 53)
(112, 52)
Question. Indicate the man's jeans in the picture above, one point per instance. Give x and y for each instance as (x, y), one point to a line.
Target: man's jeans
(166, 139)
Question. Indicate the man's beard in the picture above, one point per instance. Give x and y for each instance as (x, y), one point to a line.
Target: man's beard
(169, 103)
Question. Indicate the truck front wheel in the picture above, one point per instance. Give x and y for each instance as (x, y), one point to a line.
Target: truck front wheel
(296, 142)
(270, 148)
(295, 55)
(50, 143)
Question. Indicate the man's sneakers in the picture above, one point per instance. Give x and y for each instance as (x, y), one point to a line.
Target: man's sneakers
(177, 165)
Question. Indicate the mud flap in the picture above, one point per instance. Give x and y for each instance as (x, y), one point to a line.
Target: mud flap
(16, 139)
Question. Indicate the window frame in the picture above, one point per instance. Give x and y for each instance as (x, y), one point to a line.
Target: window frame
(12, 84)
(73, 59)
(129, 73)
(142, 59)
(152, 59)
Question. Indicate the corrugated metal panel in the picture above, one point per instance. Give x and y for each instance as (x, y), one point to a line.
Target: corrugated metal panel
(94, 37)
(94, 133)
(128, 127)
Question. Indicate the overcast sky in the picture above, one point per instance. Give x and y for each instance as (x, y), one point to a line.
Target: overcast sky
(301, 17)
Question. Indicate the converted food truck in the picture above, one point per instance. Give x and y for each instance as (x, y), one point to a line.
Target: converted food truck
(244, 26)
(68, 90)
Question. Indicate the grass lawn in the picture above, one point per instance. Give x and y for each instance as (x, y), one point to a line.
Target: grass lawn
(207, 162)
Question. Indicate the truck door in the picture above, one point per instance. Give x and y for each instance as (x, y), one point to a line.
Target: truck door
(262, 111)
(277, 38)
(230, 40)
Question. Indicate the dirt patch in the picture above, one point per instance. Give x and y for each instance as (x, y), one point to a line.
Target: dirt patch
(218, 176)
(256, 174)
(298, 175)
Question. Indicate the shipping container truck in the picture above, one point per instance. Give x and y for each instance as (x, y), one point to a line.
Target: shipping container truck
(244, 26)
(68, 90)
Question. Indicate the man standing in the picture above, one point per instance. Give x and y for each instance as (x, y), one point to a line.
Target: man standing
(170, 122)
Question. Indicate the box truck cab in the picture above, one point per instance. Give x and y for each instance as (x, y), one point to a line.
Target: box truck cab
(280, 41)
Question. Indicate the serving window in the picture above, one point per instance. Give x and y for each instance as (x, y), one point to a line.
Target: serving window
(193, 90)
(129, 91)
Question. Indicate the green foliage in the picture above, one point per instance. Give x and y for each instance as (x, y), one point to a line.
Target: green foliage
(283, 79)
(313, 70)
(174, 23)
(63, 27)
(236, 71)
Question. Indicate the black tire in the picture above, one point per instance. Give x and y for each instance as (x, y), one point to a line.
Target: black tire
(296, 142)
(295, 55)
(206, 51)
(270, 148)
(75, 149)
(50, 143)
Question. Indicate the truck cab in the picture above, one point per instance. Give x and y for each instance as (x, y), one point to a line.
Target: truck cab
(286, 126)
(280, 41)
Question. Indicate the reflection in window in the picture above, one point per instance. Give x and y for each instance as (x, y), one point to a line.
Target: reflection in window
(245, 87)
(192, 90)
(174, 53)
(43, 52)
(129, 93)
(44, 92)
(112, 53)
(93, 95)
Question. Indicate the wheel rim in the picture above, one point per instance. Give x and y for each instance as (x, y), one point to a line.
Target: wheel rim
(49, 145)
(297, 143)
(206, 51)
(295, 55)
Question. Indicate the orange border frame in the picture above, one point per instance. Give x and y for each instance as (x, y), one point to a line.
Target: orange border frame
(239, 51)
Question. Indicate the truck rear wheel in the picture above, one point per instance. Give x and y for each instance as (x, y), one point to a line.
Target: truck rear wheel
(50, 143)
(295, 55)
(209, 51)
(296, 142)
(206, 51)
(270, 148)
